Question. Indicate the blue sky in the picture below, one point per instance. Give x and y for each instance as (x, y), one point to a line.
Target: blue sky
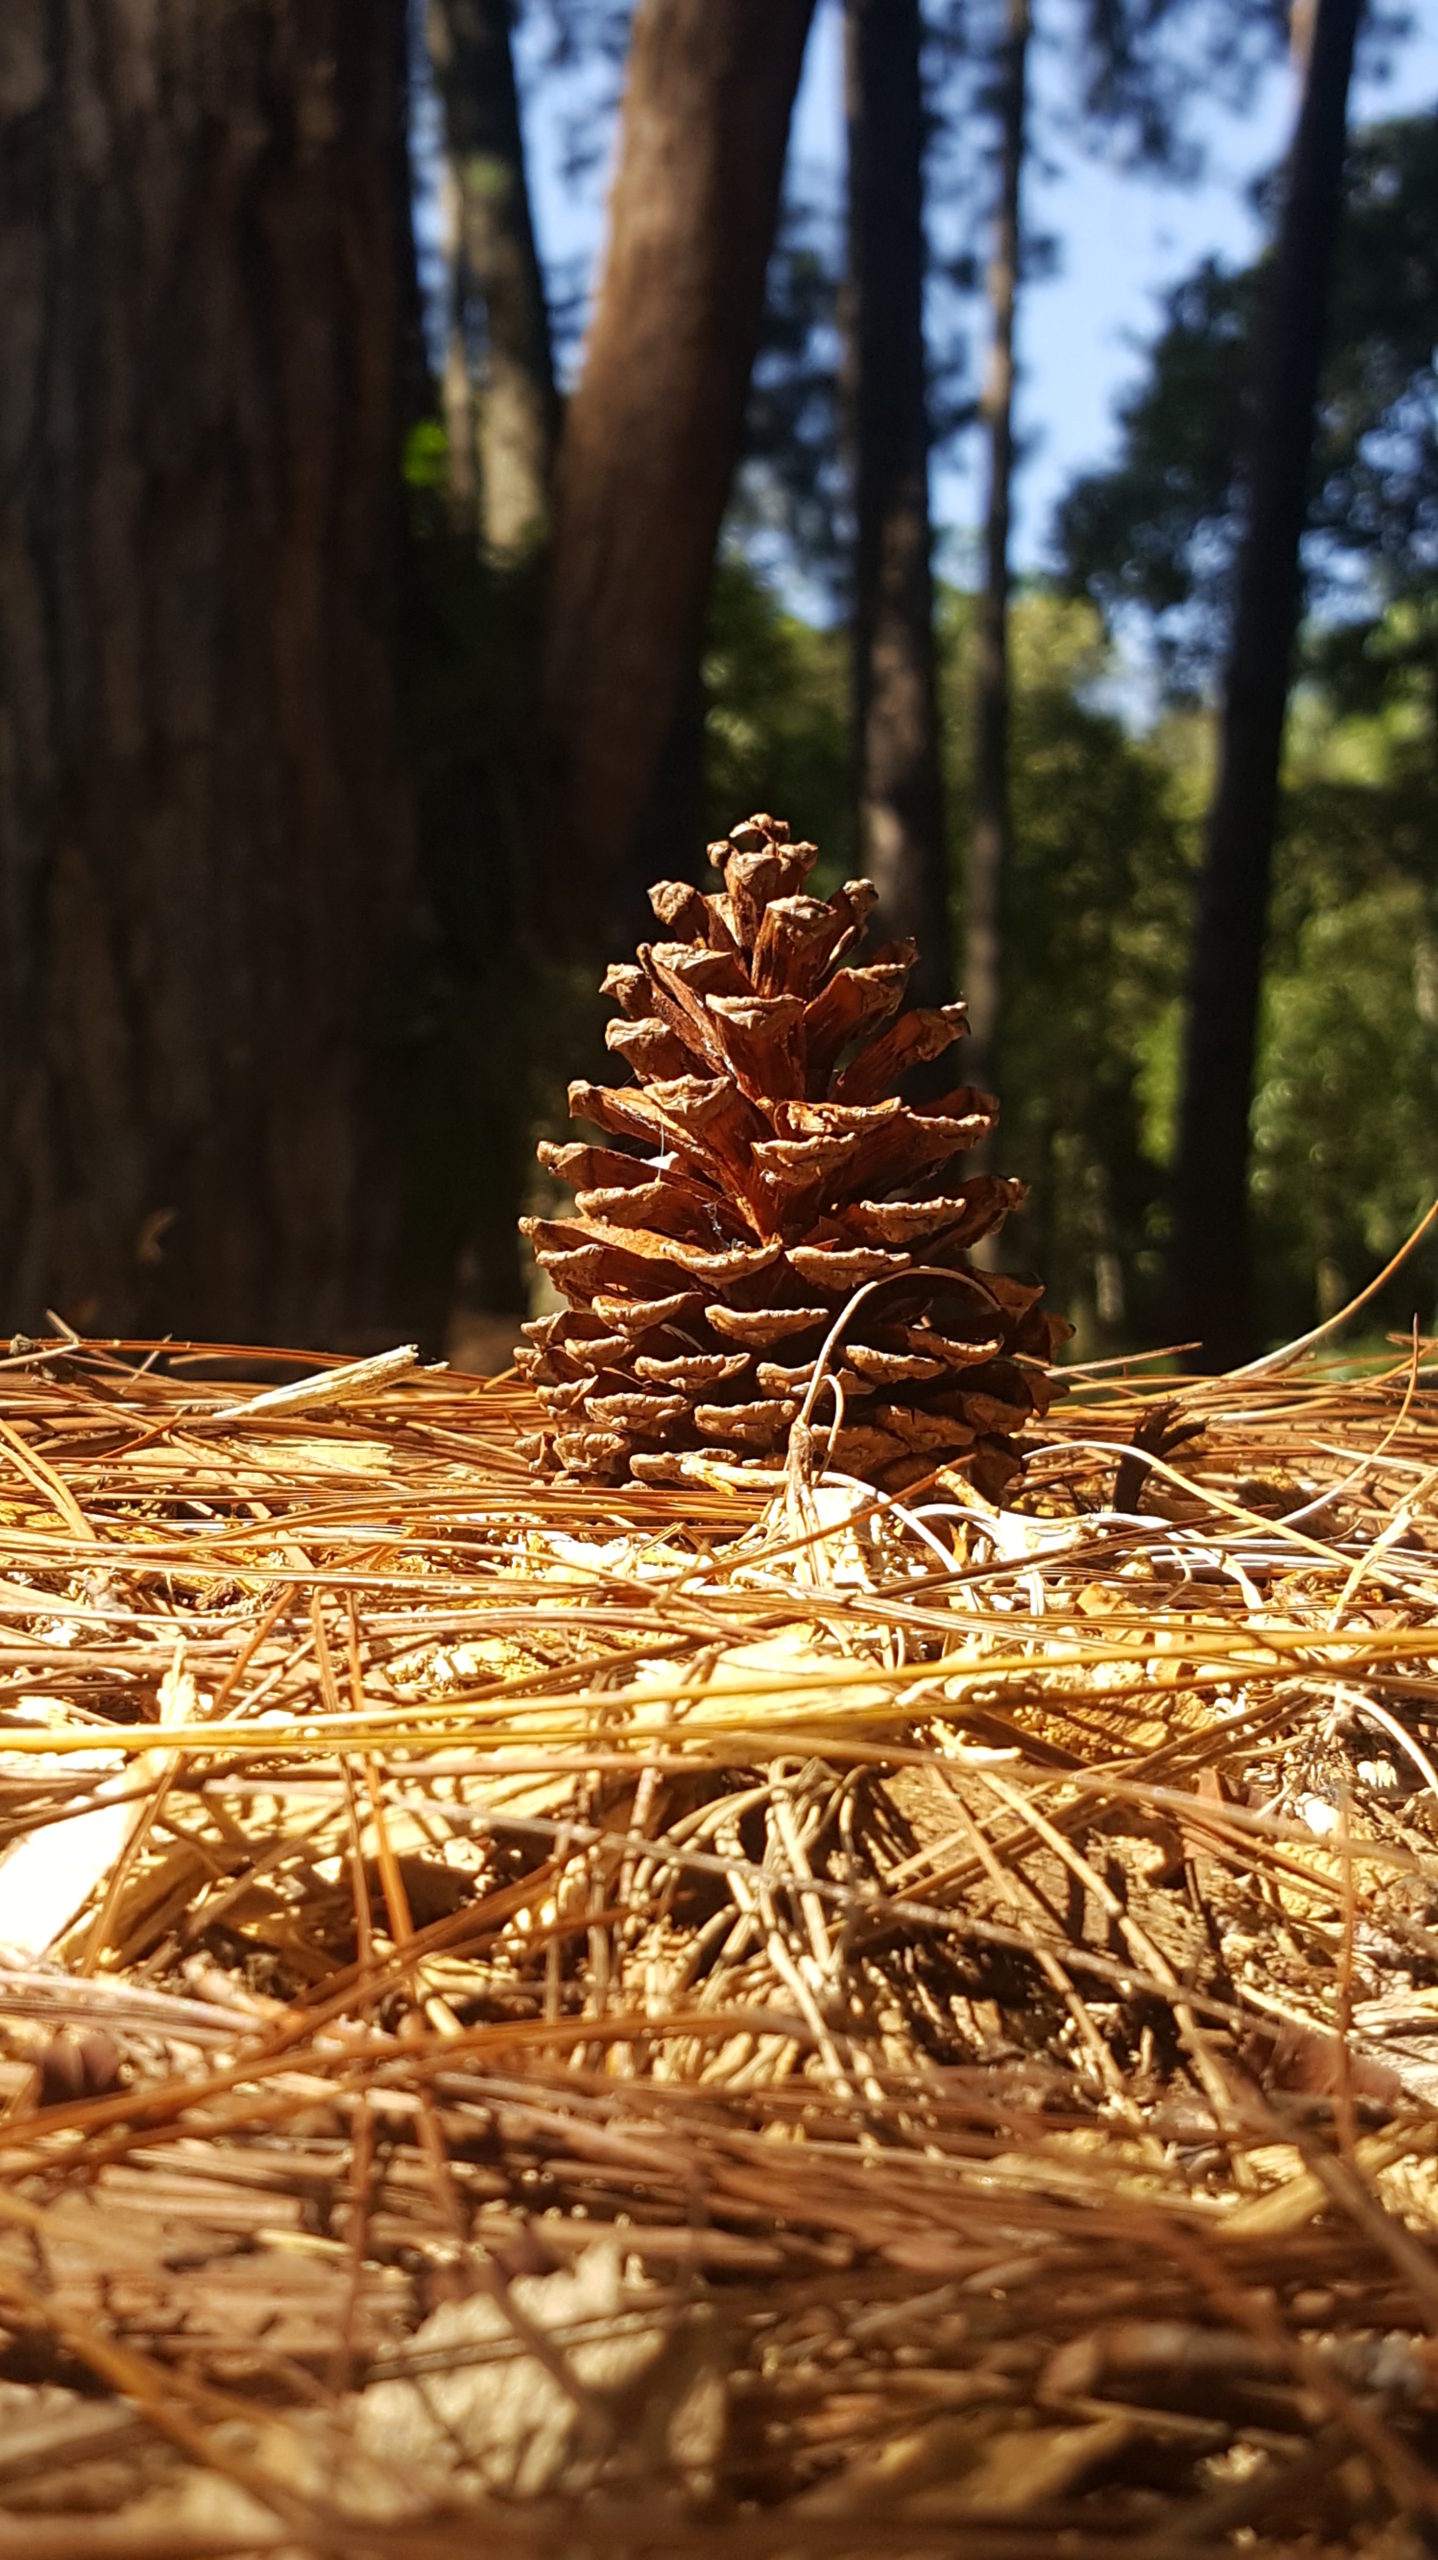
(1123, 239)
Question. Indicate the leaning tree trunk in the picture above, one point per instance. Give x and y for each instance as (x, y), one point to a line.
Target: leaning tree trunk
(652, 432)
(204, 855)
(500, 398)
(990, 833)
(896, 726)
(1211, 1269)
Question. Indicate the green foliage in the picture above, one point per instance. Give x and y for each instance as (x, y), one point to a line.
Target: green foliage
(1107, 833)
(776, 717)
(1346, 1108)
(1346, 1114)
(1346, 1098)
(425, 462)
(1093, 933)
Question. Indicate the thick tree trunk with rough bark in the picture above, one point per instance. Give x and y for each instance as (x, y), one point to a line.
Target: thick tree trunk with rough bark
(205, 865)
(896, 727)
(652, 432)
(1211, 1273)
(989, 838)
(501, 407)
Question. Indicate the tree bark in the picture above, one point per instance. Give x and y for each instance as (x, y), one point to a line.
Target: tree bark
(990, 835)
(500, 401)
(652, 432)
(896, 727)
(205, 860)
(1211, 1267)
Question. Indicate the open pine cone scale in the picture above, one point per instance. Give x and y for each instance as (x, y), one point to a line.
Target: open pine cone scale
(767, 1168)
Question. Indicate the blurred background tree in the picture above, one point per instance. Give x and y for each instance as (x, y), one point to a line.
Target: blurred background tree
(501, 403)
(206, 846)
(898, 779)
(1211, 1274)
(404, 554)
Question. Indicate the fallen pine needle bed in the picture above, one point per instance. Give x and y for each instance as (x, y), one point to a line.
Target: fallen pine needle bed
(756, 2018)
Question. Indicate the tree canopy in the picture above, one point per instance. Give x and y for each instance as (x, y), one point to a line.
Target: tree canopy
(1156, 533)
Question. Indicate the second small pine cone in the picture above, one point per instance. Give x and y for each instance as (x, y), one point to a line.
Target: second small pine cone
(760, 1169)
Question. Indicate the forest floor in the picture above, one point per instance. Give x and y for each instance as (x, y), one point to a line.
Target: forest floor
(761, 2019)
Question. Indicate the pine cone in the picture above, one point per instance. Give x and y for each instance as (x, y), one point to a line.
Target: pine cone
(768, 1169)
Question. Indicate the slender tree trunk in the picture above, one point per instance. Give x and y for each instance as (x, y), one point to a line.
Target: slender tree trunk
(1211, 1273)
(652, 432)
(501, 412)
(458, 386)
(505, 438)
(896, 727)
(989, 841)
(205, 865)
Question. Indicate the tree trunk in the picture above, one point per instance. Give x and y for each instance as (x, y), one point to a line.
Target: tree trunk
(458, 388)
(989, 841)
(501, 412)
(499, 323)
(1211, 1272)
(652, 433)
(205, 864)
(900, 799)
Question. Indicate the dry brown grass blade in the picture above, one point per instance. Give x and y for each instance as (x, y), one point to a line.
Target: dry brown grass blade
(960, 1987)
